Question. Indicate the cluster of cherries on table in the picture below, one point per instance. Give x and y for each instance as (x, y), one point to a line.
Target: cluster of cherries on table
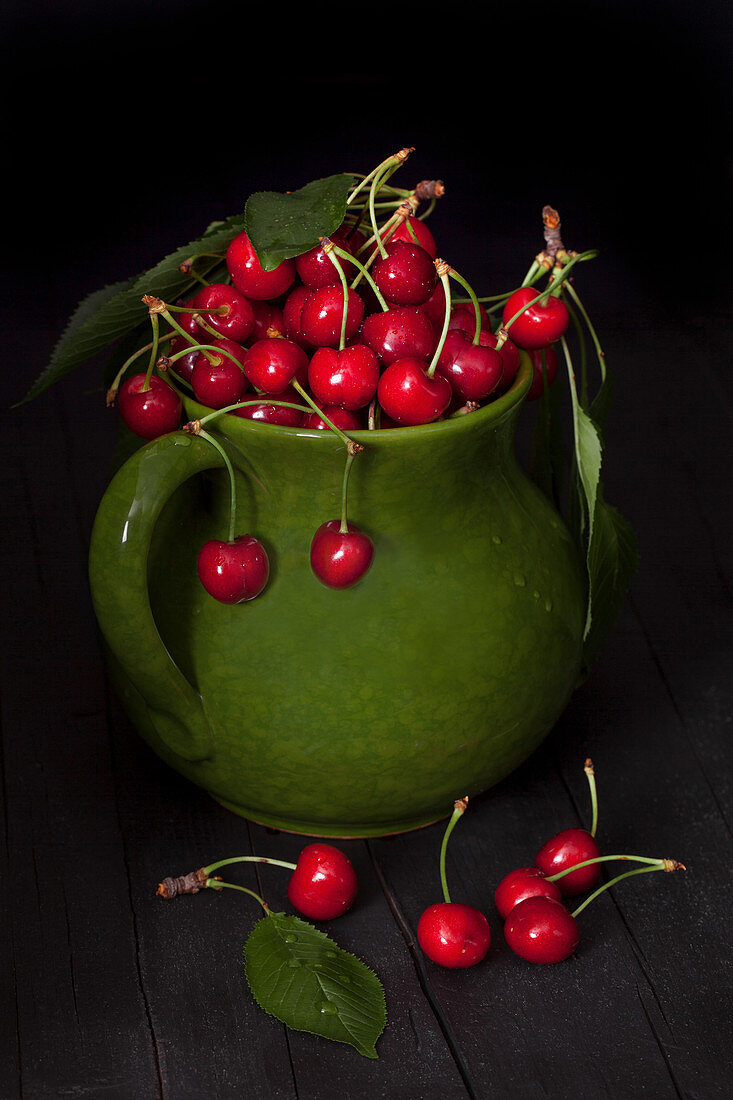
(270, 331)
(537, 925)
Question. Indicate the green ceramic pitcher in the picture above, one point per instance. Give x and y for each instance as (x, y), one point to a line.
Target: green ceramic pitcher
(357, 712)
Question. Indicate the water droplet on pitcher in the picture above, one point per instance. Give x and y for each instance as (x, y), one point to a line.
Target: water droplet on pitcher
(496, 539)
(327, 1008)
(548, 605)
(536, 594)
(520, 580)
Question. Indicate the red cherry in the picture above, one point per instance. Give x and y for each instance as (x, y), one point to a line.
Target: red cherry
(454, 935)
(186, 321)
(347, 378)
(238, 322)
(152, 412)
(233, 572)
(409, 396)
(508, 352)
(425, 238)
(541, 930)
(248, 275)
(540, 324)
(292, 312)
(463, 316)
(398, 333)
(525, 882)
(315, 268)
(222, 382)
(345, 419)
(267, 413)
(271, 364)
(473, 371)
(323, 884)
(321, 316)
(551, 366)
(434, 308)
(407, 275)
(267, 316)
(565, 849)
(183, 367)
(340, 558)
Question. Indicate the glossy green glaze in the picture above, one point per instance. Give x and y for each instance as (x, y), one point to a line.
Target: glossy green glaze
(342, 713)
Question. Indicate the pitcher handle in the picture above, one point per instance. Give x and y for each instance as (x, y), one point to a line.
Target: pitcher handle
(118, 575)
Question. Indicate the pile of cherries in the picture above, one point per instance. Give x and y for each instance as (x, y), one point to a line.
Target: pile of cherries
(359, 333)
(537, 927)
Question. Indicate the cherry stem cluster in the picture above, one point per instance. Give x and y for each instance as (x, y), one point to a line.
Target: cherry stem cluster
(459, 808)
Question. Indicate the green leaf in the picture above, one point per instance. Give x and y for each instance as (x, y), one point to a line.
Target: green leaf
(612, 561)
(282, 225)
(299, 975)
(108, 314)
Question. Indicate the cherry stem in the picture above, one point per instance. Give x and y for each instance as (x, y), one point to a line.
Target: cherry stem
(583, 356)
(344, 528)
(263, 400)
(351, 445)
(534, 272)
(329, 249)
(459, 808)
(364, 271)
(213, 359)
(222, 310)
(596, 343)
(217, 884)
(657, 863)
(619, 878)
(153, 352)
(446, 287)
(372, 175)
(187, 337)
(247, 859)
(376, 183)
(232, 484)
(557, 285)
(112, 391)
(474, 300)
(206, 326)
(590, 775)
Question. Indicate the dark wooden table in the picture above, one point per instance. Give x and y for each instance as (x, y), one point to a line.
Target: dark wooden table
(108, 992)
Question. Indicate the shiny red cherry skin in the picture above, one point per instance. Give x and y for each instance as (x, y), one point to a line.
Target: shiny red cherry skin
(265, 412)
(248, 275)
(509, 354)
(398, 333)
(539, 325)
(424, 236)
(222, 382)
(538, 380)
(347, 378)
(564, 850)
(409, 396)
(233, 572)
(271, 364)
(345, 419)
(463, 316)
(541, 930)
(183, 367)
(406, 275)
(323, 884)
(292, 314)
(454, 935)
(525, 882)
(322, 312)
(316, 269)
(267, 316)
(473, 371)
(185, 320)
(340, 558)
(238, 322)
(152, 412)
(434, 308)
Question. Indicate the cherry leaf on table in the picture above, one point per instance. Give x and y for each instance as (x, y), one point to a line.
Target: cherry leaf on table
(282, 225)
(299, 975)
(106, 315)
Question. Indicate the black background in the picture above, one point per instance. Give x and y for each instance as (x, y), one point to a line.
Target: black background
(129, 128)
